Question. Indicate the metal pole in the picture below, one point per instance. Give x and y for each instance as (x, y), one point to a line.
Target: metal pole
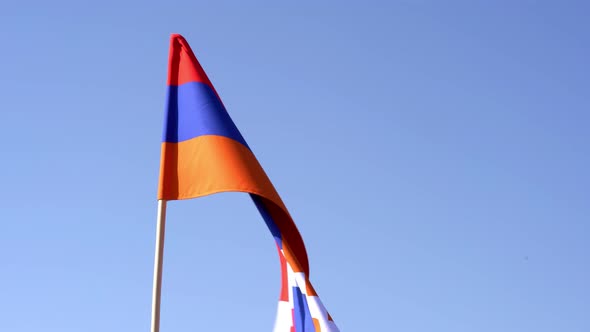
(158, 261)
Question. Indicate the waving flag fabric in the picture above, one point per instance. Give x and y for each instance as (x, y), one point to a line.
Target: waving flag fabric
(204, 153)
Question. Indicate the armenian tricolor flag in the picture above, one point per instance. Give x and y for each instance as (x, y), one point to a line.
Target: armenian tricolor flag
(204, 153)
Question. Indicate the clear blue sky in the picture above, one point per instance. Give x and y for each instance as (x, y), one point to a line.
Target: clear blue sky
(434, 154)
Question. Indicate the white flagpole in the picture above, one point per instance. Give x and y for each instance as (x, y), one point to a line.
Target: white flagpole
(158, 261)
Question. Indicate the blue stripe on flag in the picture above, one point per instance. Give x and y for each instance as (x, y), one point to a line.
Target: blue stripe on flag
(302, 316)
(268, 219)
(195, 110)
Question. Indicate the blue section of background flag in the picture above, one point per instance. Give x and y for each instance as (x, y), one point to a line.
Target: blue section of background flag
(302, 316)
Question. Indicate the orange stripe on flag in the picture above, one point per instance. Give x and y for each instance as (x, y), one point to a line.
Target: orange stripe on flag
(207, 165)
(211, 164)
(316, 324)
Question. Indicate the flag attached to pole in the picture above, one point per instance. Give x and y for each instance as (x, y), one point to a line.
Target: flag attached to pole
(203, 153)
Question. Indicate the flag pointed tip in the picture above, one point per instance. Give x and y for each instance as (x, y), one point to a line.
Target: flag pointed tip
(183, 65)
(177, 41)
(176, 36)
